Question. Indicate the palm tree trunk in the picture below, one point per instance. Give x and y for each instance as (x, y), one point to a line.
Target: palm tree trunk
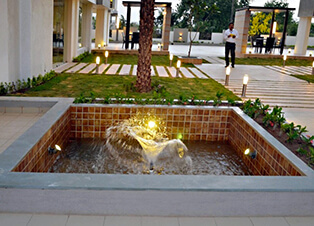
(143, 81)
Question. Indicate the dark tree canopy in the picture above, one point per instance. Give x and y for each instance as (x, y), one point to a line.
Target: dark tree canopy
(212, 20)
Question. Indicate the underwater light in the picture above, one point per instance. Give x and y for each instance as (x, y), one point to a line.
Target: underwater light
(151, 124)
(54, 150)
(252, 154)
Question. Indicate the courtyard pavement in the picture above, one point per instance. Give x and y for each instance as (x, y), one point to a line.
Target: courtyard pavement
(272, 85)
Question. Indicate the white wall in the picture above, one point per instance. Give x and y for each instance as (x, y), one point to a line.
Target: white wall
(26, 38)
(41, 37)
(290, 40)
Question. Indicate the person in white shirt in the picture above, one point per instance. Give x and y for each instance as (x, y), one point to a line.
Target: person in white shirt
(230, 36)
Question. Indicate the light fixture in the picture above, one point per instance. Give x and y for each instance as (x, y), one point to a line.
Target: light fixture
(289, 50)
(151, 124)
(54, 150)
(313, 68)
(97, 64)
(171, 58)
(274, 27)
(310, 53)
(158, 46)
(178, 68)
(118, 23)
(250, 50)
(80, 45)
(284, 60)
(106, 56)
(99, 46)
(250, 153)
(245, 82)
(228, 70)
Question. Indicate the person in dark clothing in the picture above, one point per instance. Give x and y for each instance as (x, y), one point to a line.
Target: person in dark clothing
(230, 36)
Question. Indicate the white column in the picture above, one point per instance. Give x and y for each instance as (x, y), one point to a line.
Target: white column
(4, 37)
(166, 28)
(87, 26)
(102, 27)
(26, 41)
(107, 28)
(71, 12)
(303, 34)
(41, 33)
(242, 24)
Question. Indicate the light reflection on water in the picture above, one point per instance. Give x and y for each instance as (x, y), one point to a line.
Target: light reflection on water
(92, 156)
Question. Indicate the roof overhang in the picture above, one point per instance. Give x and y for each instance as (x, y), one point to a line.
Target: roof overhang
(266, 9)
(138, 4)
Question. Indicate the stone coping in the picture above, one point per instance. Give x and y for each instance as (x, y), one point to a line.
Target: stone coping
(11, 156)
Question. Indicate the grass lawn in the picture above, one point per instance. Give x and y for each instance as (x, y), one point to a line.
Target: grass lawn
(132, 59)
(277, 62)
(308, 78)
(72, 85)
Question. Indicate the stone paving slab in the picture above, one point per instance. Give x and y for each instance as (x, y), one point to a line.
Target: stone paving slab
(88, 69)
(125, 70)
(198, 73)
(134, 72)
(64, 67)
(152, 71)
(255, 72)
(20, 219)
(162, 71)
(113, 69)
(173, 72)
(186, 73)
(101, 69)
(76, 68)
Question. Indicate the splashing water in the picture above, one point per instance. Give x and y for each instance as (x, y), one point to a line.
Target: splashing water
(146, 136)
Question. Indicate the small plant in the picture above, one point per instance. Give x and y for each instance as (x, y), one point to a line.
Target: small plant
(81, 99)
(217, 101)
(34, 81)
(3, 89)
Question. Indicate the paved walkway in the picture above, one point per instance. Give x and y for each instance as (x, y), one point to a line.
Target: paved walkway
(79, 220)
(118, 69)
(273, 87)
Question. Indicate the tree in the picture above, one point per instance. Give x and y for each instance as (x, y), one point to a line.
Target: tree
(259, 24)
(280, 17)
(143, 81)
(215, 21)
(195, 13)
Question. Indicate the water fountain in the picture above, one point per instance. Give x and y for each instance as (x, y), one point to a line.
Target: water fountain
(144, 138)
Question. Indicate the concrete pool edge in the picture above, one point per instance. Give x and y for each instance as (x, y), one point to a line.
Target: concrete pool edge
(75, 186)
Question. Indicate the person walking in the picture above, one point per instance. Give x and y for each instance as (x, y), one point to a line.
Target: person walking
(230, 36)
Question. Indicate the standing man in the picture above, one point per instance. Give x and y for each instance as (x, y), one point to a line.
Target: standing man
(230, 36)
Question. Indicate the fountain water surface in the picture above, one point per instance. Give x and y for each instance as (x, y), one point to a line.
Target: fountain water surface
(146, 135)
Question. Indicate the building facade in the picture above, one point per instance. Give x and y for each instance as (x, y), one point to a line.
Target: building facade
(36, 33)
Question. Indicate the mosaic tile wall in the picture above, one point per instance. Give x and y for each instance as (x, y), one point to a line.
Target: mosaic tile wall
(192, 124)
(269, 161)
(38, 158)
(209, 124)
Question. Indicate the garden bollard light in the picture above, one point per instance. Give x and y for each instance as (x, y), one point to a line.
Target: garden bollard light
(97, 64)
(99, 46)
(228, 70)
(313, 68)
(245, 82)
(171, 58)
(178, 68)
(284, 60)
(106, 56)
